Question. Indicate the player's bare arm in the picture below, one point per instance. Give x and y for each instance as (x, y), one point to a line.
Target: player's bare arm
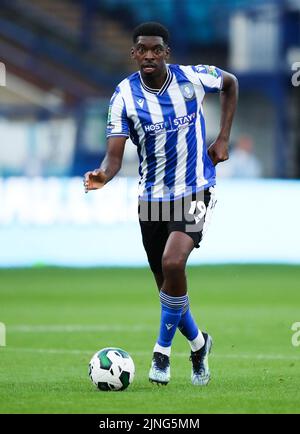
(110, 166)
(218, 150)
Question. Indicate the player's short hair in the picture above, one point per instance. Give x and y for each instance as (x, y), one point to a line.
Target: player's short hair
(151, 29)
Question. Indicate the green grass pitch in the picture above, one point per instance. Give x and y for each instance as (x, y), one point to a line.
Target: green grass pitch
(56, 319)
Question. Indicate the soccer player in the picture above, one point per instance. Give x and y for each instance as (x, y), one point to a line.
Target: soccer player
(160, 109)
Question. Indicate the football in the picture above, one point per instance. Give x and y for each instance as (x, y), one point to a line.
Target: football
(111, 369)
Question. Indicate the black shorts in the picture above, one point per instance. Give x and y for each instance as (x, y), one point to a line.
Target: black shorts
(190, 215)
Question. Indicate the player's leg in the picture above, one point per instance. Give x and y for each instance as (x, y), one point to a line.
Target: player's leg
(154, 239)
(177, 250)
(200, 342)
(188, 327)
(184, 236)
(155, 235)
(173, 298)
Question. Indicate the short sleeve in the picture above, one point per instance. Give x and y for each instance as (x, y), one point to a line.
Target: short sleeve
(117, 123)
(211, 77)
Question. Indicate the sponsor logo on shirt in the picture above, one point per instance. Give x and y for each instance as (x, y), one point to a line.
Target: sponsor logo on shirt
(171, 125)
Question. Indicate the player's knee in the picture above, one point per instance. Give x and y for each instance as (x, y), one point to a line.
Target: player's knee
(173, 264)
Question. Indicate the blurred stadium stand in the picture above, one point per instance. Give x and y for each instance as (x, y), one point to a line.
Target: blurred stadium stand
(63, 59)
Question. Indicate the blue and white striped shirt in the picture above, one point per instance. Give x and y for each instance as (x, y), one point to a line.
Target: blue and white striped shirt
(168, 128)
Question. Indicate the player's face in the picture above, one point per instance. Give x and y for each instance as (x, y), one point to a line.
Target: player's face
(150, 53)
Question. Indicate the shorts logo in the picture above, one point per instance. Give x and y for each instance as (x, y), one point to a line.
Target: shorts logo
(188, 91)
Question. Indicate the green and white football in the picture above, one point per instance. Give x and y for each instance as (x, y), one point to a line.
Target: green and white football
(111, 369)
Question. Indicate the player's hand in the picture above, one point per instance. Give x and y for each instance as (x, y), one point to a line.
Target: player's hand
(94, 180)
(218, 151)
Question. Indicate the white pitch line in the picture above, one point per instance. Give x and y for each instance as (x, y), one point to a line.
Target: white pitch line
(46, 350)
(148, 354)
(78, 328)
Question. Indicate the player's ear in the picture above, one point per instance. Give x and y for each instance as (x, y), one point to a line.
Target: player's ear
(132, 53)
(168, 52)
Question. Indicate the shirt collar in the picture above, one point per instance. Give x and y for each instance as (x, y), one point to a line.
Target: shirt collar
(164, 86)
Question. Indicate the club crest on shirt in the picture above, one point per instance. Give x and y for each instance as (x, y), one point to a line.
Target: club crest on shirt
(188, 91)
